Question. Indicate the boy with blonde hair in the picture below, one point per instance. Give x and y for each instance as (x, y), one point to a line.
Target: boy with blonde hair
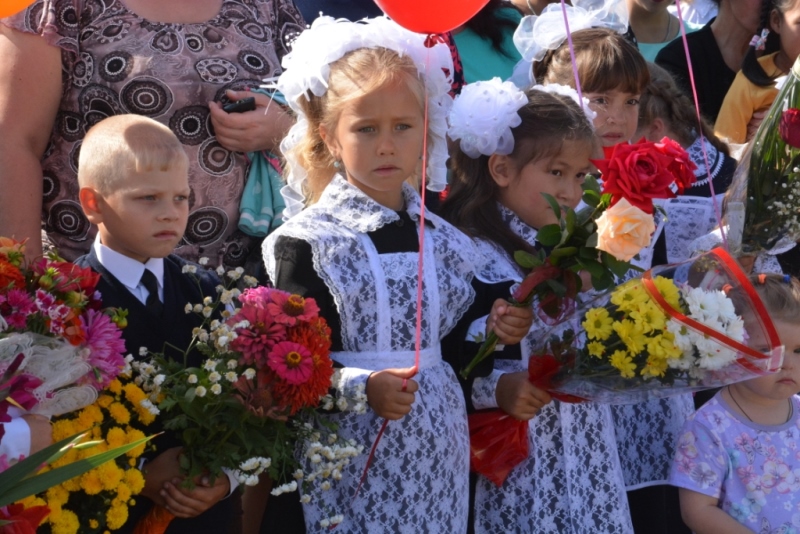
(134, 186)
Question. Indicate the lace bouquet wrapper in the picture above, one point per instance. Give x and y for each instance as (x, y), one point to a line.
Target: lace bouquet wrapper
(58, 346)
(602, 238)
(772, 203)
(679, 328)
(243, 406)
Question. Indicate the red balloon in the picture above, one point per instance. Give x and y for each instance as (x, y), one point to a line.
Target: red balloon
(12, 7)
(431, 16)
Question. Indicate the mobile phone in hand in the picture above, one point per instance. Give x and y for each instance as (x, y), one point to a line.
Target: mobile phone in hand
(240, 106)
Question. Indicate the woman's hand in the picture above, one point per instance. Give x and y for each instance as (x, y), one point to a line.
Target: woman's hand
(518, 397)
(185, 503)
(251, 131)
(385, 393)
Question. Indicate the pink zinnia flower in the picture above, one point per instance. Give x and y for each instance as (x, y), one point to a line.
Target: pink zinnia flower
(289, 309)
(258, 339)
(291, 361)
(106, 348)
(18, 305)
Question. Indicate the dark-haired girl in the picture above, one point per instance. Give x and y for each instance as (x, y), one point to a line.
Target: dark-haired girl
(572, 481)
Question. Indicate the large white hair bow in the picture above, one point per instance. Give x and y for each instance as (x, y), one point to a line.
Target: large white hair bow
(307, 69)
(535, 35)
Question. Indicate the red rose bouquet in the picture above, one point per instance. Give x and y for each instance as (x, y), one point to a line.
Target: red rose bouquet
(602, 238)
(263, 364)
(772, 199)
(58, 347)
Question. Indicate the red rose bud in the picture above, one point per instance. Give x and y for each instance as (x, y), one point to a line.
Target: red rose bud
(790, 127)
(681, 167)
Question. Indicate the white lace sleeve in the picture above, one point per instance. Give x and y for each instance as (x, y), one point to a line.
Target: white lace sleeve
(484, 390)
(350, 384)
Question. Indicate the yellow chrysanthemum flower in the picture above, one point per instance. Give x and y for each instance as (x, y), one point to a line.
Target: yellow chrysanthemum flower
(648, 317)
(631, 335)
(57, 495)
(596, 349)
(145, 417)
(123, 492)
(104, 400)
(663, 346)
(94, 523)
(621, 361)
(629, 295)
(72, 485)
(116, 516)
(134, 393)
(116, 437)
(655, 366)
(134, 480)
(134, 435)
(115, 386)
(119, 413)
(598, 324)
(669, 291)
(67, 523)
(63, 429)
(110, 475)
(91, 483)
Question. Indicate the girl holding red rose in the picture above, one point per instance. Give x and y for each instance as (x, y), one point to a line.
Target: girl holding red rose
(530, 143)
(613, 75)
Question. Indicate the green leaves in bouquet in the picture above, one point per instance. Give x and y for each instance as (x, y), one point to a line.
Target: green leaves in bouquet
(19, 481)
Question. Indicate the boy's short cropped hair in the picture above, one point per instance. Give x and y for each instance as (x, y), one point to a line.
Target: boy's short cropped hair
(118, 146)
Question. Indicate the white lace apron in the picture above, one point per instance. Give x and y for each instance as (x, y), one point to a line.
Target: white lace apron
(418, 481)
(572, 481)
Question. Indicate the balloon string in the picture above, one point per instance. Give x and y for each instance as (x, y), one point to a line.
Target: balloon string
(430, 41)
(717, 210)
(572, 53)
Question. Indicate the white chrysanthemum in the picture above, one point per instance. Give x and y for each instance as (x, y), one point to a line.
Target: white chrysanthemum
(230, 376)
(192, 379)
(203, 261)
(214, 376)
(216, 389)
(200, 391)
(249, 373)
(210, 364)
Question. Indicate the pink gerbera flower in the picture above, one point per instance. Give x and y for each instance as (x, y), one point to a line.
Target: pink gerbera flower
(291, 361)
(289, 309)
(106, 348)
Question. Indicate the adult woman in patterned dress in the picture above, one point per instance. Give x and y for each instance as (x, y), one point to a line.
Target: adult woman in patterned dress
(69, 63)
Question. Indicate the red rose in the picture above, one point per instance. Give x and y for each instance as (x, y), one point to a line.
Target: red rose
(639, 172)
(23, 520)
(682, 168)
(790, 127)
(67, 276)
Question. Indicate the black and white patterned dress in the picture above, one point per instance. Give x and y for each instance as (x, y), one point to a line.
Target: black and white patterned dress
(365, 258)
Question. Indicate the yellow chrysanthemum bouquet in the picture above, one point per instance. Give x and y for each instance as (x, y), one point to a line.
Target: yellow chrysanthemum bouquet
(678, 328)
(98, 500)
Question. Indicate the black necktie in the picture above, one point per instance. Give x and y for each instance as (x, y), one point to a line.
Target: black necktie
(150, 283)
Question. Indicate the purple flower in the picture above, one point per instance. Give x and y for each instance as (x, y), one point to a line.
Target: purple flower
(106, 348)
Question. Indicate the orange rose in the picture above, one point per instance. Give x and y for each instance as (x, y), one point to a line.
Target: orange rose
(623, 230)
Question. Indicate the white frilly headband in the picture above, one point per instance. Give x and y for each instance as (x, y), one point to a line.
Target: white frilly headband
(535, 35)
(484, 114)
(307, 68)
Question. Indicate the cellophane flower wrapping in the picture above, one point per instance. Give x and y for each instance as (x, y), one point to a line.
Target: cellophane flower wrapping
(98, 501)
(679, 328)
(51, 314)
(772, 204)
(265, 370)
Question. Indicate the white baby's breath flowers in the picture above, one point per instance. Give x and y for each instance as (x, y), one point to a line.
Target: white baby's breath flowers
(159, 379)
(220, 270)
(210, 364)
(200, 391)
(298, 474)
(305, 499)
(250, 373)
(192, 379)
(203, 261)
(191, 269)
(214, 376)
(250, 281)
(235, 274)
(231, 364)
(325, 486)
(142, 351)
(148, 405)
(197, 308)
(230, 376)
(207, 301)
(216, 389)
(207, 311)
(188, 308)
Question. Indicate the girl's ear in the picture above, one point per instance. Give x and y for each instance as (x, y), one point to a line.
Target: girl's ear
(502, 169)
(330, 142)
(775, 19)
